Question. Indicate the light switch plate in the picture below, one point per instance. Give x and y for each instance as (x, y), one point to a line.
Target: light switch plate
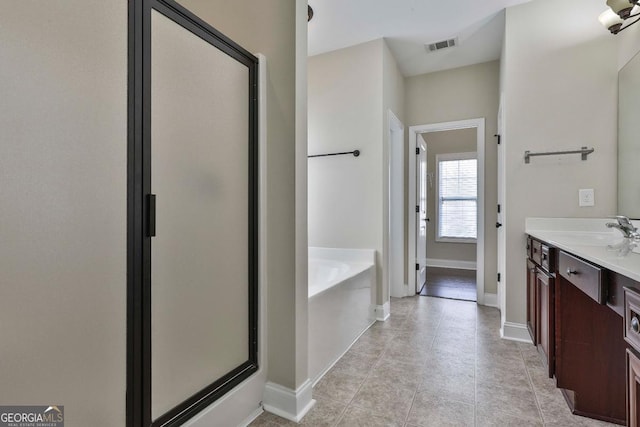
(586, 197)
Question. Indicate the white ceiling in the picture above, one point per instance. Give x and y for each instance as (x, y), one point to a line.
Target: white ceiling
(408, 25)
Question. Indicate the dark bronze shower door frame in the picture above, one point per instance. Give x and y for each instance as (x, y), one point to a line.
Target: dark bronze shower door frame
(141, 221)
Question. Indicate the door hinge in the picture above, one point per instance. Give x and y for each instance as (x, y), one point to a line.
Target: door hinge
(417, 267)
(498, 208)
(499, 138)
(417, 151)
(498, 277)
(417, 209)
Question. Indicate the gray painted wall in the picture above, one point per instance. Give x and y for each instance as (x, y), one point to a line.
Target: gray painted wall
(459, 94)
(560, 91)
(63, 186)
(348, 110)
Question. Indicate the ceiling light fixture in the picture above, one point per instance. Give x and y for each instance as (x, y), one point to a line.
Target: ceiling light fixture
(619, 10)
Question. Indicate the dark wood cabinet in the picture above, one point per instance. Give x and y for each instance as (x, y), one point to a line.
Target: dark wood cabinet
(536, 252)
(633, 389)
(590, 351)
(540, 300)
(545, 314)
(585, 321)
(589, 278)
(631, 316)
(531, 301)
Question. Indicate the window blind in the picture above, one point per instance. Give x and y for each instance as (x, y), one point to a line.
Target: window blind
(457, 198)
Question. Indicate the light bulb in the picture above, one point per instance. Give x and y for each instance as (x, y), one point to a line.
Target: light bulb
(611, 20)
(621, 7)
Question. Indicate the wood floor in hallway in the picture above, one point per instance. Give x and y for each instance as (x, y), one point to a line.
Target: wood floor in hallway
(450, 283)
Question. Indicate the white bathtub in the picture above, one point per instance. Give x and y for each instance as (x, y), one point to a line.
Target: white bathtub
(341, 297)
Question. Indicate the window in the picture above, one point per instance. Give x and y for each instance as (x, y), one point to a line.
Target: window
(457, 197)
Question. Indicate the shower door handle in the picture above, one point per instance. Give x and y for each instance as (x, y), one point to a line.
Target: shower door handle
(151, 211)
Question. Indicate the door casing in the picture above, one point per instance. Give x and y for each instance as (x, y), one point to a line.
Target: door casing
(479, 125)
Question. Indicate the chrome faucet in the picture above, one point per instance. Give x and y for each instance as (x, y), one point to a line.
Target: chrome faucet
(625, 226)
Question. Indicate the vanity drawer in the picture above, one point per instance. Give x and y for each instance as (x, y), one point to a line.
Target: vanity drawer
(584, 276)
(632, 318)
(547, 258)
(536, 252)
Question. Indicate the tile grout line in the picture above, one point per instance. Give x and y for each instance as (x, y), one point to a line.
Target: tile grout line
(379, 358)
(475, 375)
(535, 395)
(432, 329)
(415, 393)
(394, 332)
(348, 405)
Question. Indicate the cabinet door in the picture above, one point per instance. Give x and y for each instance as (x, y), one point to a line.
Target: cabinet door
(531, 301)
(590, 347)
(633, 389)
(546, 318)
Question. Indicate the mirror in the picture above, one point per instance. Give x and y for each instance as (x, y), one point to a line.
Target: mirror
(629, 139)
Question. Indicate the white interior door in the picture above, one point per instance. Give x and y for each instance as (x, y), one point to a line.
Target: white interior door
(421, 213)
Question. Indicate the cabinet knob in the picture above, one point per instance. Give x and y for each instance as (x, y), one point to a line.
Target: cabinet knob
(635, 325)
(570, 271)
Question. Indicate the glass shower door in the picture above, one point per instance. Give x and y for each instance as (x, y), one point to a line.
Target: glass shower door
(202, 277)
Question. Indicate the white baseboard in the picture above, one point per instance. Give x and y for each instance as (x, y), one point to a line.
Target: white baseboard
(451, 263)
(491, 300)
(515, 332)
(286, 403)
(239, 406)
(383, 311)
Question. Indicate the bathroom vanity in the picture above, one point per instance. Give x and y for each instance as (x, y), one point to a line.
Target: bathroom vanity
(583, 314)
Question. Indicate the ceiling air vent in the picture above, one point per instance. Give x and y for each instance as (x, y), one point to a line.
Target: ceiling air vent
(444, 44)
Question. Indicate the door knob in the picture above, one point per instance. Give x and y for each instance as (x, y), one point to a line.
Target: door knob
(498, 225)
(635, 325)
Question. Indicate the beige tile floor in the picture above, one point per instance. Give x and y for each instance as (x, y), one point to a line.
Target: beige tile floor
(436, 362)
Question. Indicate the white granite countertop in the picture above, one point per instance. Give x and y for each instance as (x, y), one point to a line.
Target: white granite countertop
(591, 240)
